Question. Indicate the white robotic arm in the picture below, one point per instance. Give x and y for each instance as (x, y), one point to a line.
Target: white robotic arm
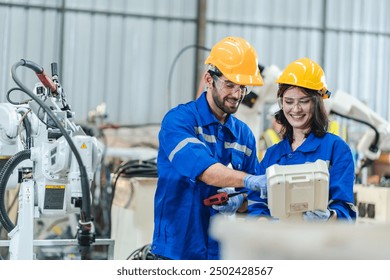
(57, 180)
(345, 105)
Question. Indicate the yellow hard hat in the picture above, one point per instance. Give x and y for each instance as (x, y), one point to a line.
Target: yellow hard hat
(237, 60)
(305, 73)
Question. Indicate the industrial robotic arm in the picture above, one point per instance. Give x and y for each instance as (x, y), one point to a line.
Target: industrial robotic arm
(342, 104)
(61, 160)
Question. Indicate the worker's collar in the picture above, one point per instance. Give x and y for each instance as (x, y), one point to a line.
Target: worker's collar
(309, 145)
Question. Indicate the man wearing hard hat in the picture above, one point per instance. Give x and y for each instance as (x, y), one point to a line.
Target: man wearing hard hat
(204, 149)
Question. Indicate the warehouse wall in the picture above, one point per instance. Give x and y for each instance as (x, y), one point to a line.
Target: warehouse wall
(121, 52)
(117, 52)
(350, 39)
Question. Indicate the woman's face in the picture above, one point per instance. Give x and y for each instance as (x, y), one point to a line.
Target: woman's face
(297, 107)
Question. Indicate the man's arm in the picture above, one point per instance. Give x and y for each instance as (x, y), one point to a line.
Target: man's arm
(219, 175)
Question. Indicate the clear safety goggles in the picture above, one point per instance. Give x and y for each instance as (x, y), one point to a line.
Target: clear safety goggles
(290, 102)
(227, 85)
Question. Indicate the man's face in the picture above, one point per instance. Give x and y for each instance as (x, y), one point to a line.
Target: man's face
(227, 95)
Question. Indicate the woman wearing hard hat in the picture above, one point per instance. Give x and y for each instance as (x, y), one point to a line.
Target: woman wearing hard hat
(304, 121)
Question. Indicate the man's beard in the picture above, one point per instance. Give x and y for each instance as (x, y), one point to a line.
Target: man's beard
(225, 108)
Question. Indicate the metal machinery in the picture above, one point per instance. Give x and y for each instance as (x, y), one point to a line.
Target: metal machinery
(372, 201)
(347, 106)
(53, 160)
(373, 204)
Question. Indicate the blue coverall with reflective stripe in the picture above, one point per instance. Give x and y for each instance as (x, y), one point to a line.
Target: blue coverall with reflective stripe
(191, 139)
(330, 148)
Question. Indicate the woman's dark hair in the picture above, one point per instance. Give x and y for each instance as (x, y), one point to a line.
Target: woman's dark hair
(319, 121)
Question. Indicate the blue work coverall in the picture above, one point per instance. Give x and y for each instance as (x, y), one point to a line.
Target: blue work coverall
(330, 148)
(190, 140)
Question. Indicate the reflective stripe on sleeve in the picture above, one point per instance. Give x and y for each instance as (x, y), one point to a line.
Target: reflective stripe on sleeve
(182, 144)
(207, 137)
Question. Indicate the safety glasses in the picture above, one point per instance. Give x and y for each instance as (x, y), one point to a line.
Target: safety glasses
(289, 102)
(227, 85)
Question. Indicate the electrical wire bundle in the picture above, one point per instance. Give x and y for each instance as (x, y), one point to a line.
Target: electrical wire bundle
(133, 168)
(143, 253)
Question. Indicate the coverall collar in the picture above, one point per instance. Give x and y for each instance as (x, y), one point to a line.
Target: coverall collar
(309, 145)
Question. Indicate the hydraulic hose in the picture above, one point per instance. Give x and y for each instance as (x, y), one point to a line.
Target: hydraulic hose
(5, 173)
(27, 127)
(173, 66)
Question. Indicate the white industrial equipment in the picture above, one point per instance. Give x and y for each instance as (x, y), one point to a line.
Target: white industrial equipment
(373, 204)
(60, 162)
(295, 189)
(347, 106)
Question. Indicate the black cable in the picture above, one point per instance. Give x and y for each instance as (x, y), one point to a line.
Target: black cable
(374, 145)
(27, 127)
(143, 253)
(108, 126)
(133, 168)
(5, 173)
(173, 65)
(40, 118)
(101, 202)
(16, 103)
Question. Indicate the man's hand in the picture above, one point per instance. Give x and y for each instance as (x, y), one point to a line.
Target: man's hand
(257, 183)
(232, 204)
